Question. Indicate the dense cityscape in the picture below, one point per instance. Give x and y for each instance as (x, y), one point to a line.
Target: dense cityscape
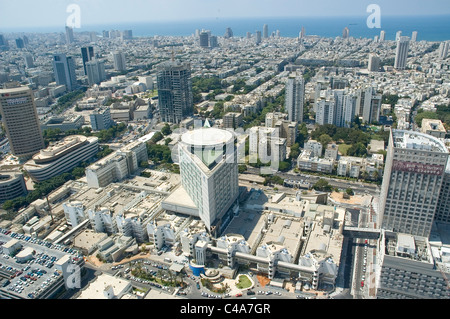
(218, 166)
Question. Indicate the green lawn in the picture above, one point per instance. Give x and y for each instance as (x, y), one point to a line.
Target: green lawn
(343, 148)
(244, 282)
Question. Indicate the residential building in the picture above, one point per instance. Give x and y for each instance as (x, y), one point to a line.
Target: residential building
(315, 147)
(295, 98)
(232, 120)
(175, 99)
(401, 53)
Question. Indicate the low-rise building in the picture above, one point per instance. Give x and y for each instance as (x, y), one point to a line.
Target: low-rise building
(12, 185)
(61, 157)
(117, 166)
(63, 123)
(433, 127)
(307, 161)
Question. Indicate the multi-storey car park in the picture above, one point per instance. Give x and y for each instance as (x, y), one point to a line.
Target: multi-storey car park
(32, 268)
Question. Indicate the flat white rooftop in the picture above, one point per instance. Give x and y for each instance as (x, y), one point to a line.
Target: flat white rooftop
(417, 141)
(207, 137)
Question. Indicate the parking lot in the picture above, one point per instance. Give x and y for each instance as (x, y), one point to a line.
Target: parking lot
(37, 275)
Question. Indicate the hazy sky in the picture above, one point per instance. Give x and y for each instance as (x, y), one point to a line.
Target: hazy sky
(43, 13)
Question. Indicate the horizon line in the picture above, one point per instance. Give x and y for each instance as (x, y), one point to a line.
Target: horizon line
(221, 18)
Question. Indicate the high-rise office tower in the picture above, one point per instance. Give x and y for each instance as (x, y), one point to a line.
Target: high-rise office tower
(228, 33)
(19, 43)
(295, 98)
(119, 61)
(69, 35)
(174, 91)
(401, 53)
(302, 33)
(28, 58)
(87, 54)
(249, 35)
(382, 35)
(93, 37)
(20, 120)
(64, 70)
(374, 63)
(95, 71)
(213, 42)
(265, 31)
(204, 39)
(3, 40)
(209, 174)
(345, 33)
(414, 36)
(413, 177)
(443, 50)
(126, 34)
(258, 37)
(443, 209)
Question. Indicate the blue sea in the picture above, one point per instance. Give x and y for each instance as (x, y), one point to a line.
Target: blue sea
(429, 28)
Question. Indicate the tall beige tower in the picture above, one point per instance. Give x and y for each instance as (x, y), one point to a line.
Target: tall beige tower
(20, 120)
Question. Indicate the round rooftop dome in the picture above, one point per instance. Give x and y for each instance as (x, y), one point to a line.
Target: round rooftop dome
(207, 137)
